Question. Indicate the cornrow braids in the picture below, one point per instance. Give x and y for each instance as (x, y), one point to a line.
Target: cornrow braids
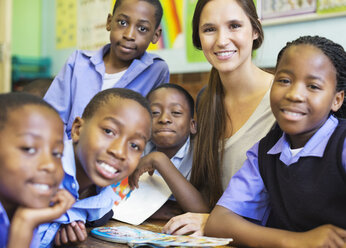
(336, 55)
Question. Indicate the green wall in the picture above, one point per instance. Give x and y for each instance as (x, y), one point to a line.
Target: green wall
(26, 28)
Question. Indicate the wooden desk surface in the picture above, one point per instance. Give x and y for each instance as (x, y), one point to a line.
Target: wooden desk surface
(93, 242)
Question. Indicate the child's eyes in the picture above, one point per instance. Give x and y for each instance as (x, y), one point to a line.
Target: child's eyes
(177, 113)
(283, 81)
(135, 146)
(314, 87)
(57, 154)
(155, 113)
(29, 150)
(108, 131)
(143, 29)
(122, 22)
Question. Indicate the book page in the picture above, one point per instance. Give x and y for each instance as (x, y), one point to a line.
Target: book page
(143, 202)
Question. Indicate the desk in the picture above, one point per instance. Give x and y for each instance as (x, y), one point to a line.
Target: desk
(152, 225)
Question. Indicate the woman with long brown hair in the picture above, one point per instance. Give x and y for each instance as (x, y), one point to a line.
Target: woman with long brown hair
(234, 110)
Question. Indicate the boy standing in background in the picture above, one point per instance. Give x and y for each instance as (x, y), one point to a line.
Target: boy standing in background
(124, 63)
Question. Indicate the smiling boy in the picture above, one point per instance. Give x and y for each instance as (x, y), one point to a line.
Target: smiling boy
(107, 143)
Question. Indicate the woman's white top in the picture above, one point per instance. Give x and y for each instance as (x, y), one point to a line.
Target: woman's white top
(255, 128)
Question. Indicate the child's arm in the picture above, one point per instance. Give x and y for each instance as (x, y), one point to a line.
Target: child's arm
(224, 223)
(188, 197)
(25, 220)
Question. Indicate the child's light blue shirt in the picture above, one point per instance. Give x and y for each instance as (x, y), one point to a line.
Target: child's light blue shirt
(90, 209)
(82, 77)
(246, 194)
(182, 160)
(4, 230)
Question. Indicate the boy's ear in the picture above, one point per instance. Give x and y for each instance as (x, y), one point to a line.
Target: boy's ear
(76, 129)
(338, 100)
(109, 22)
(193, 126)
(157, 35)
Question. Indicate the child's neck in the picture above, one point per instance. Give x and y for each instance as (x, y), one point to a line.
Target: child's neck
(170, 152)
(114, 65)
(86, 186)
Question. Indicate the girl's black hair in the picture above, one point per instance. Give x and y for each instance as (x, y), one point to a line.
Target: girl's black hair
(336, 55)
(155, 3)
(186, 94)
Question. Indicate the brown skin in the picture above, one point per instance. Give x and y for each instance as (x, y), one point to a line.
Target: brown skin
(224, 223)
(116, 135)
(302, 96)
(172, 124)
(30, 155)
(132, 28)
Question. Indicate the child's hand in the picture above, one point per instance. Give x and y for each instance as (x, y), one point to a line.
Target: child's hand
(322, 236)
(72, 233)
(62, 201)
(25, 220)
(146, 164)
(188, 223)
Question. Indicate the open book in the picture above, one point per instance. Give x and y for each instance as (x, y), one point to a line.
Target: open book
(136, 237)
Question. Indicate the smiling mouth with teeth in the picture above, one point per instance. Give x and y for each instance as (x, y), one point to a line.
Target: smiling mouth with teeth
(292, 113)
(41, 187)
(108, 168)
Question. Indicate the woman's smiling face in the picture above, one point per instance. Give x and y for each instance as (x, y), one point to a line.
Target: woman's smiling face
(226, 34)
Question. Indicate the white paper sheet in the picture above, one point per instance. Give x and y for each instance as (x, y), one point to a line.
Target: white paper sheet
(143, 202)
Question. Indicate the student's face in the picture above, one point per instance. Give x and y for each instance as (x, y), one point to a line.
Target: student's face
(31, 147)
(172, 122)
(132, 28)
(226, 34)
(109, 145)
(304, 92)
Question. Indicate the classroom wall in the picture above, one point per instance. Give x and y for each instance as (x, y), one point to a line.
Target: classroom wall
(26, 28)
(276, 36)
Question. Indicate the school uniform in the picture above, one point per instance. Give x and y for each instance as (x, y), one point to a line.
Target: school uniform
(182, 160)
(272, 193)
(5, 228)
(82, 77)
(86, 210)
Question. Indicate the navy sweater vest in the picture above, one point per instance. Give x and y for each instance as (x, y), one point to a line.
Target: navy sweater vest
(308, 193)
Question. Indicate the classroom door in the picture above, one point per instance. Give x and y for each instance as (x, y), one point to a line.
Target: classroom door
(5, 45)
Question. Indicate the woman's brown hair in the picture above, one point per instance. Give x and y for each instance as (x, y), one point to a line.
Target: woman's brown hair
(212, 116)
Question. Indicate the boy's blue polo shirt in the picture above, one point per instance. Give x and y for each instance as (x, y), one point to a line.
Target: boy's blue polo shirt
(91, 208)
(5, 227)
(246, 194)
(81, 78)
